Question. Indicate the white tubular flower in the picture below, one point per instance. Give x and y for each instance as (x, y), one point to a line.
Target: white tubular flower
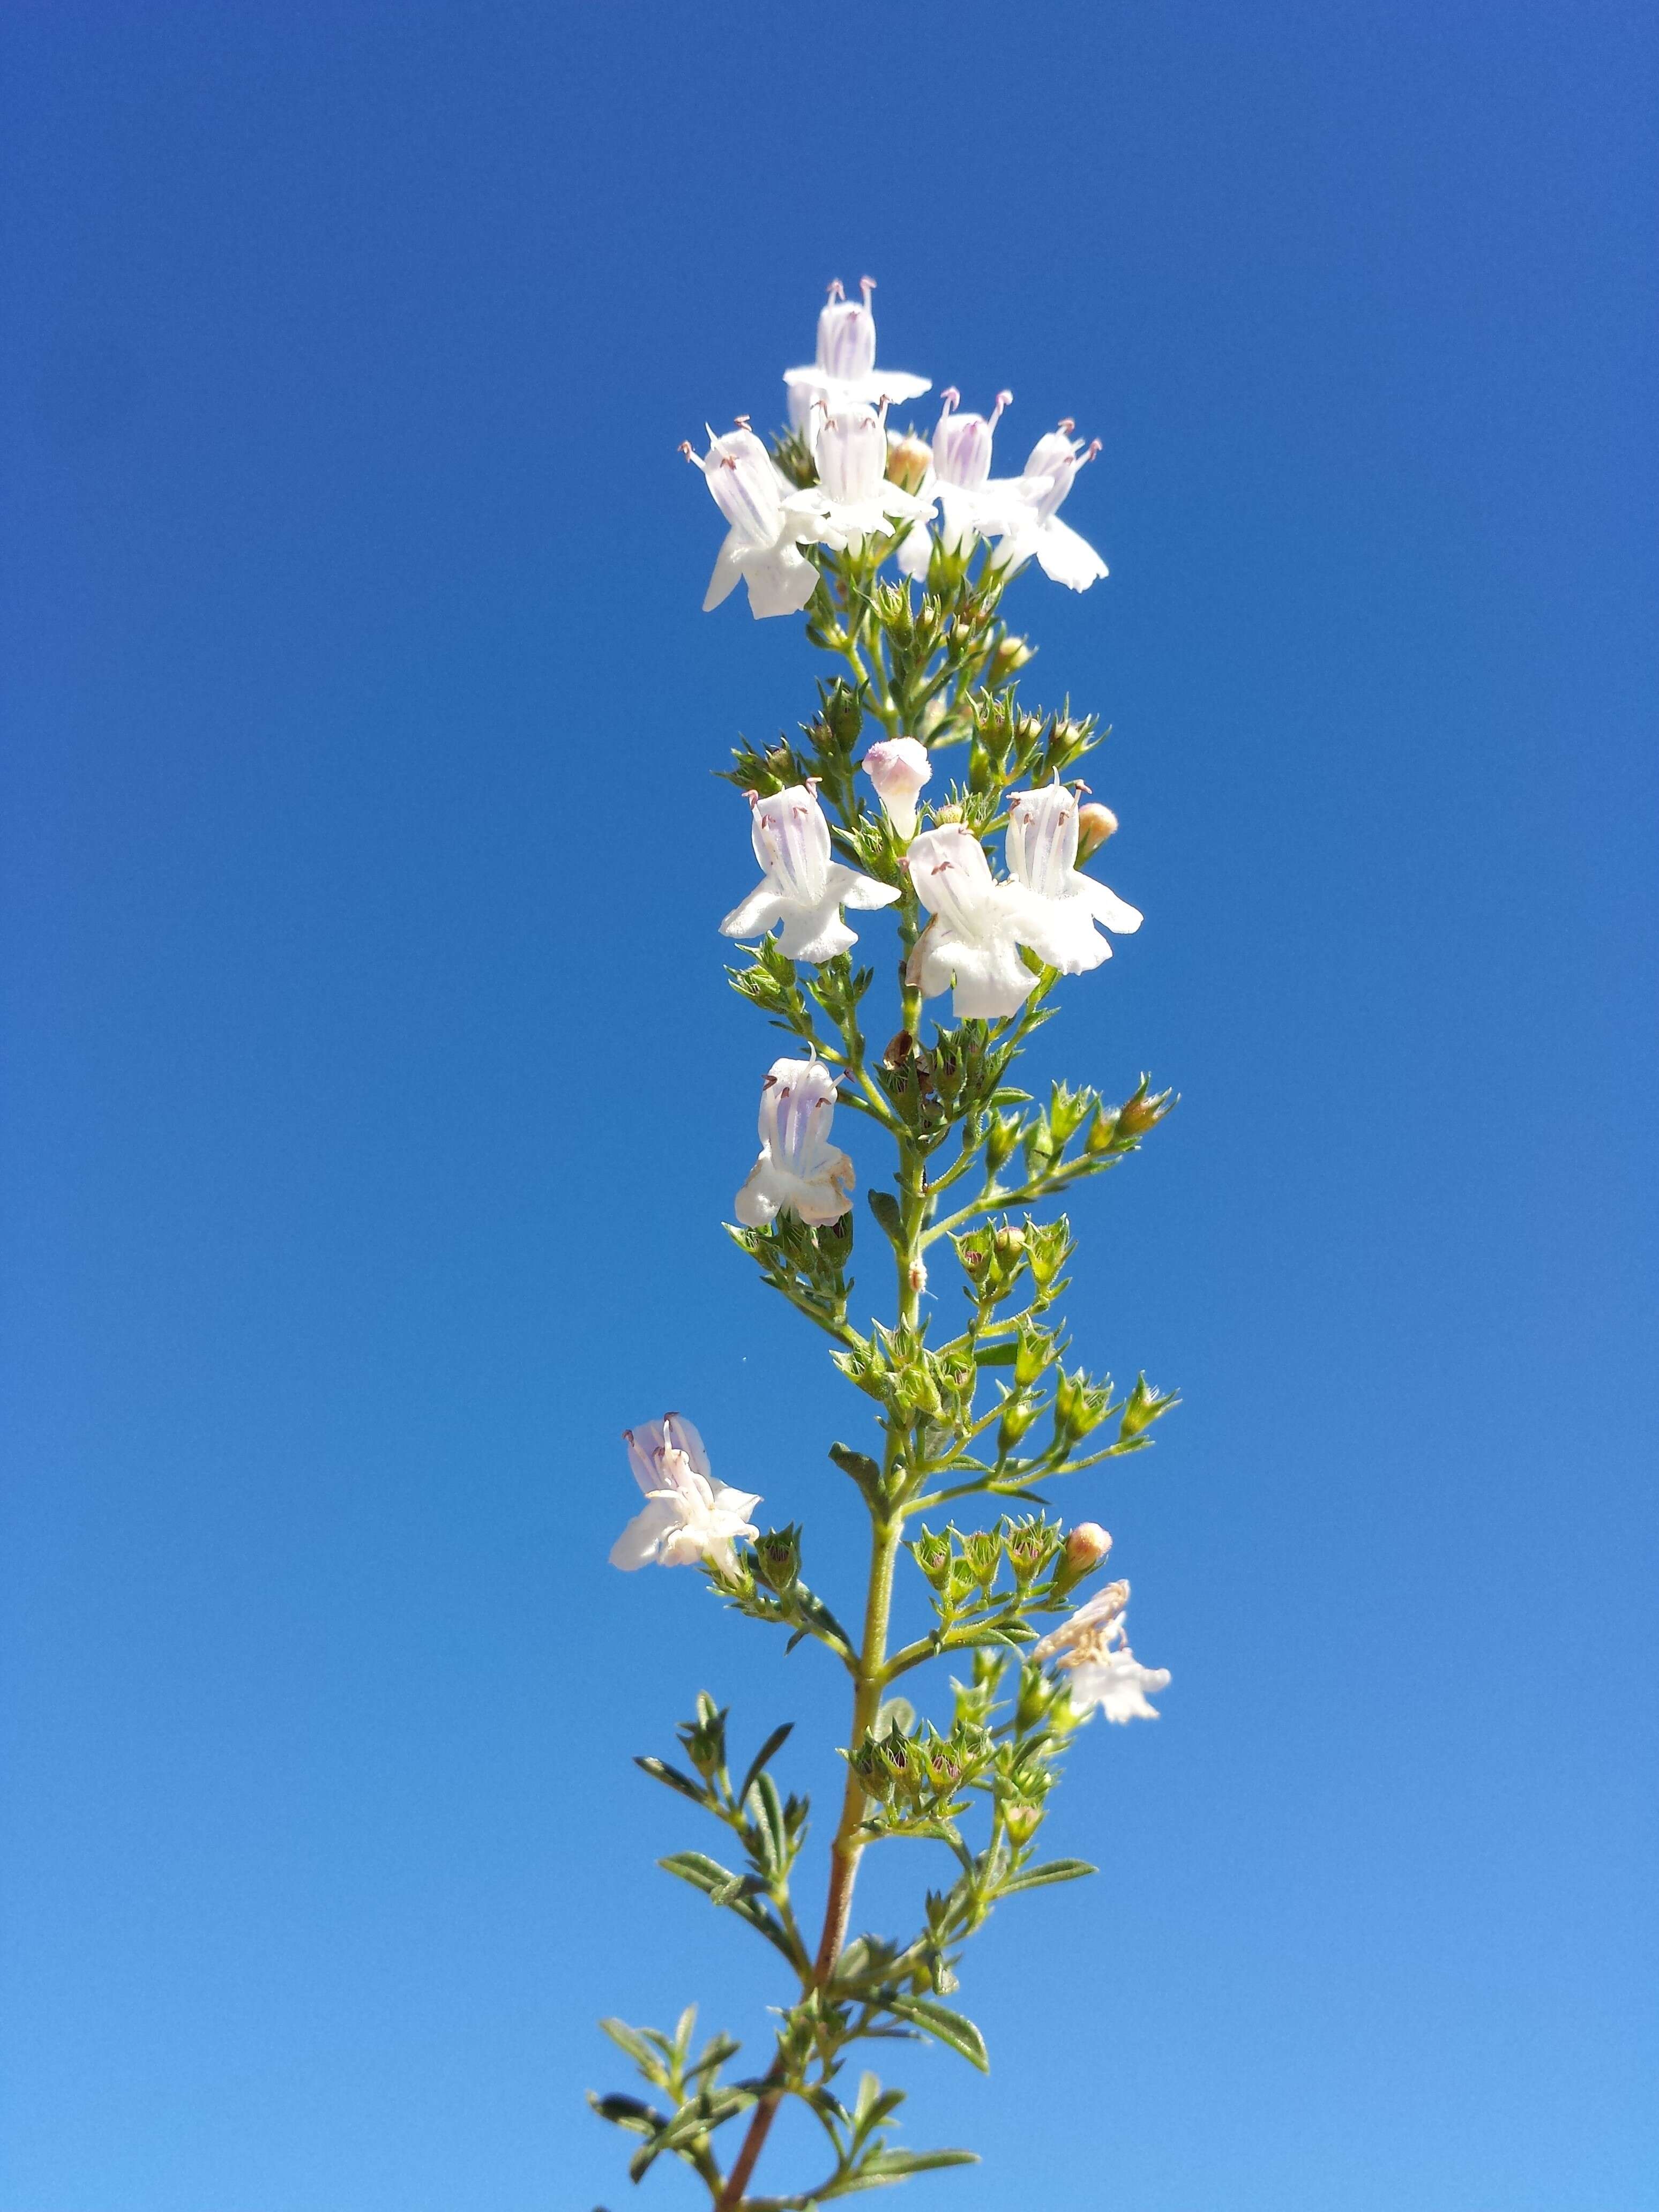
(845, 371)
(771, 522)
(1033, 525)
(851, 453)
(688, 1516)
(805, 888)
(1101, 1669)
(798, 1171)
(971, 505)
(899, 766)
(973, 940)
(1062, 905)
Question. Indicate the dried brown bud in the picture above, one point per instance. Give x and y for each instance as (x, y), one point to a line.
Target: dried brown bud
(908, 459)
(1086, 1545)
(1095, 825)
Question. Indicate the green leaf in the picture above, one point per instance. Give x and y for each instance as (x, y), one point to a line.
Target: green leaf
(763, 1756)
(954, 2028)
(885, 1207)
(628, 2112)
(1038, 1877)
(660, 1770)
(700, 1871)
(630, 2040)
(996, 1355)
(765, 1810)
(863, 1469)
(893, 2165)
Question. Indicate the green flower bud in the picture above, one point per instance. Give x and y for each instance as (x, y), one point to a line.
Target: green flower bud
(1010, 656)
(1017, 1415)
(1033, 1351)
(1079, 1406)
(1142, 1407)
(931, 1554)
(777, 1558)
(1051, 1247)
(1144, 1111)
(1067, 1110)
(1021, 1819)
(903, 1769)
(983, 1552)
(974, 1252)
(1103, 1135)
(1030, 1546)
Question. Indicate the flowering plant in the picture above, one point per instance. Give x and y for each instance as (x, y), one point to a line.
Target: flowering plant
(971, 1416)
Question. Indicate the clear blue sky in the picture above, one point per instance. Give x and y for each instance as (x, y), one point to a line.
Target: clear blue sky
(373, 1095)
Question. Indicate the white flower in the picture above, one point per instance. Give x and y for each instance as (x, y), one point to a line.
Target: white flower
(977, 926)
(851, 453)
(898, 766)
(845, 371)
(1102, 1670)
(1033, 525)
(804, 889)
(771, 522)
(1062, 905)
(798, 1171)
(971, 505)
(688, 1516)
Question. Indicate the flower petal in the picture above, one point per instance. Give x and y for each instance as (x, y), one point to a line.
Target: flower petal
(638, 1544)
(756, 914)
(723, 581)
(1067, 558)
(1108, 908)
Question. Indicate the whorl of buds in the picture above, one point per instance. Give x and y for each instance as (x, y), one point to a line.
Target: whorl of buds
(1086, 1545)
(1095, 825)
(908, 459)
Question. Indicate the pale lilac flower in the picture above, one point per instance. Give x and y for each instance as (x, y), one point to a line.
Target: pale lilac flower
(688, 1516)
(1062, 905)
(805, 888)
(851, 453)
(845, 371)
(974, 938)
(898, 767)
(970, 503)
(771, 522)
(799, 1170)
(1032, 521)
(1100, 1669)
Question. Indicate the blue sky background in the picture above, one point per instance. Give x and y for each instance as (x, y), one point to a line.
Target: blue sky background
(374, 1096)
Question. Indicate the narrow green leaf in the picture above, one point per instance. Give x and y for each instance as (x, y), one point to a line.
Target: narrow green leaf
(892, 2165)
(1038, 1877)
(765, 1810)
(660, 1770)
(627, 2112)
(638, 2048)
(764, 1756)
(700, 1870)
(954, 2028)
